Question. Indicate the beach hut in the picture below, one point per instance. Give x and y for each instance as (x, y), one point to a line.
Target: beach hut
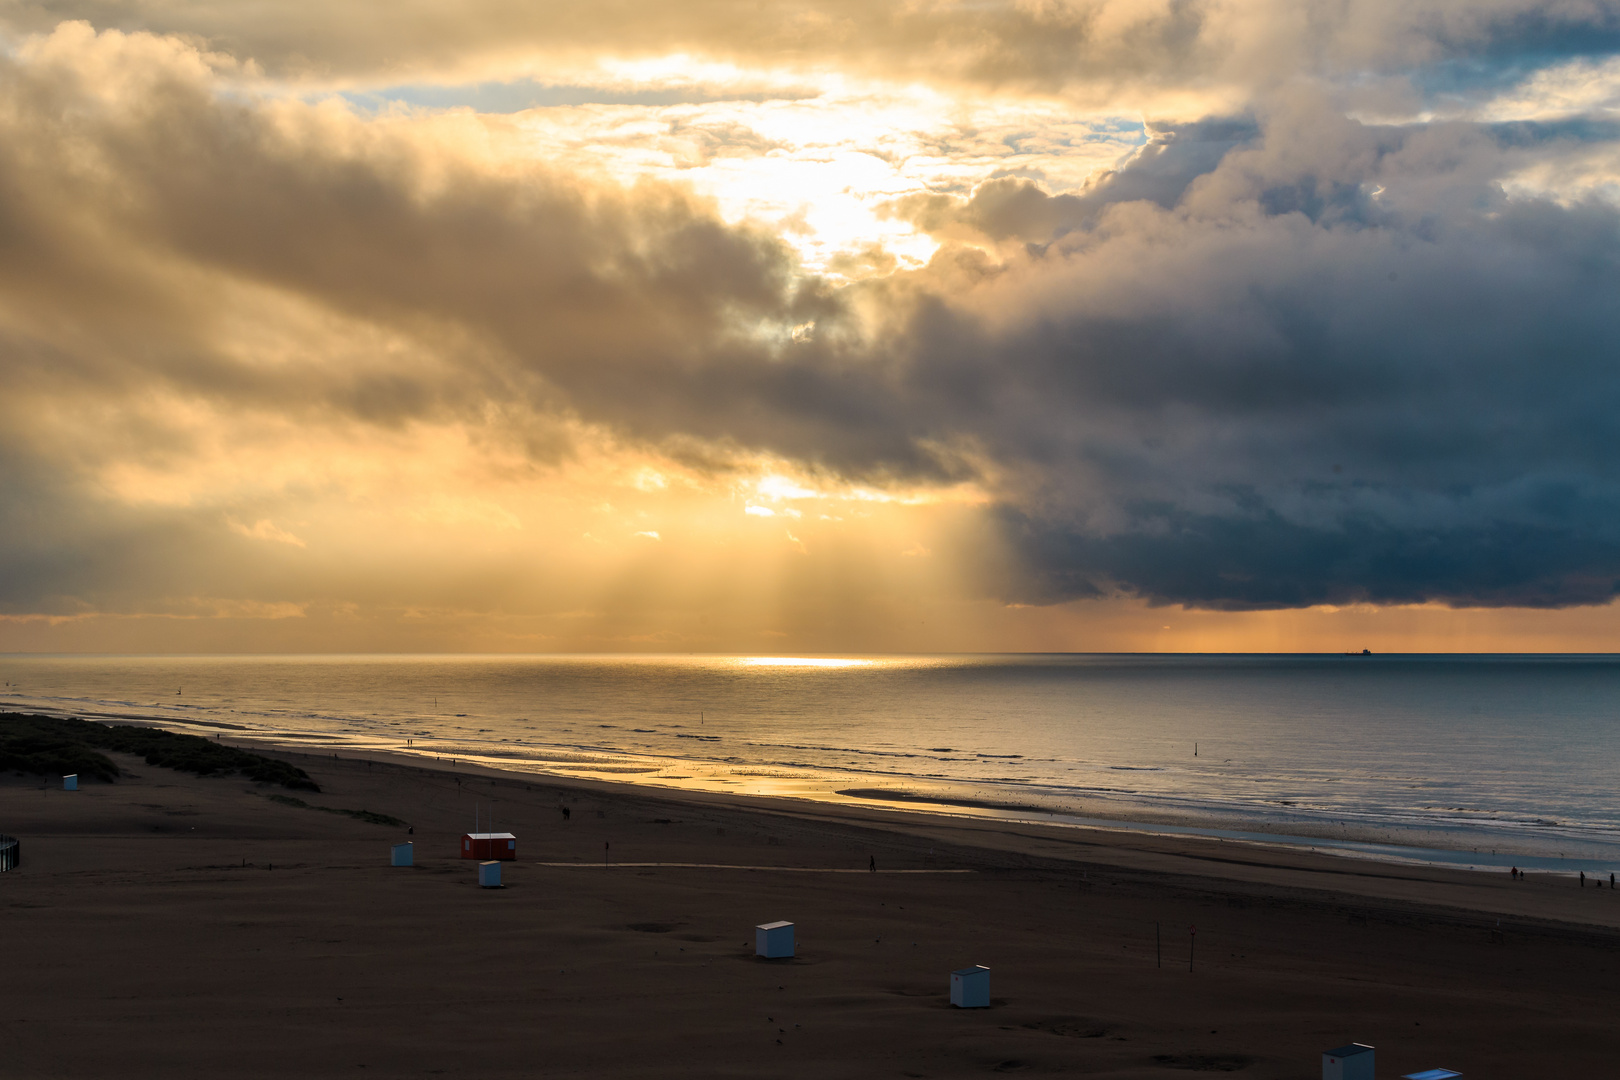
(773, 940)
(970, 987)
(402, 855)
(70, 782)
(488, 845)
(489, 875)
(1432, 1074)
(1353, 1062)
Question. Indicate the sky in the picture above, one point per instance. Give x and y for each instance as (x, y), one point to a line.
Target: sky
(822, 326)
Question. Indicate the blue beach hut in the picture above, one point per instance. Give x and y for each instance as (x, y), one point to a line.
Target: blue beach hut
(970, 987)
(1352, 1062)
(773, 940)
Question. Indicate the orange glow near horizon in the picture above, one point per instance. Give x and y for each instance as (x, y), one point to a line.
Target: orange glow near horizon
(803, 662)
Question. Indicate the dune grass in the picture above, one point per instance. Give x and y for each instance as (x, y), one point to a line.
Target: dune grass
(52, 745)
(362, 815)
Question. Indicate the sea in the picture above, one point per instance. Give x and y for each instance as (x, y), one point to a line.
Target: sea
(1467, 760)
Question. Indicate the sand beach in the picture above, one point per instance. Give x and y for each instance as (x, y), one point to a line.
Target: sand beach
(173, 926)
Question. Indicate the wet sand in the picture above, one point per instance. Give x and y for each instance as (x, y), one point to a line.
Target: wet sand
(174, 926)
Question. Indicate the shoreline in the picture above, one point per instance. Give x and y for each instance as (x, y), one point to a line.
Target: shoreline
(1152, 822)
(1495, 846)
(1241, 861)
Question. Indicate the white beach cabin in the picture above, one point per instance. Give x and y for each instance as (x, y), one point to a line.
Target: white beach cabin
(773, 940)
(70, 782)
(1432, 1074)
(402, 855)
(1353, 1062)
(489, 874)
(970, 987)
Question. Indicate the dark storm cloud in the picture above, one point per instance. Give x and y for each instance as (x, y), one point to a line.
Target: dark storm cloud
(1262, 560)
(1343, 367)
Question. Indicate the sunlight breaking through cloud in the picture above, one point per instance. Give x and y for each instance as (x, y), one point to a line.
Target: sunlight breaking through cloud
(806, 327)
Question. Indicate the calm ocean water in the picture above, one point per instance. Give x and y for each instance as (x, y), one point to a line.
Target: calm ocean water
(1482, 760)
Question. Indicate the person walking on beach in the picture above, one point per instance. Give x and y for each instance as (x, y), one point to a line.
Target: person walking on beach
(873, 866)
(1583, 879)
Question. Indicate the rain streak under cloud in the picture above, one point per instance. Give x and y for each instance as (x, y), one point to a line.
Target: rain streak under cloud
(821, 327)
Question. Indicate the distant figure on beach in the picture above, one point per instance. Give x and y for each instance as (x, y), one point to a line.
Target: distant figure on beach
(566, 813)
(1514, 873)
(1611, 881)
(411, 831)
(1583, 879)
(873, 866)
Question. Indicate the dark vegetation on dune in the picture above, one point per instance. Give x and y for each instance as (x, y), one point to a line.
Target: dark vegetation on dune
(51, 745)
(359, 815)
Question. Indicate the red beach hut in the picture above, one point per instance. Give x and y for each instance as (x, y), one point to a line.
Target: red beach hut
(488, 845)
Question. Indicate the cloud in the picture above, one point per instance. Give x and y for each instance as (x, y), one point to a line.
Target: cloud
(190, 274)
(1341, 365)
(1173, 52)
(265, 529)
(1277, 358)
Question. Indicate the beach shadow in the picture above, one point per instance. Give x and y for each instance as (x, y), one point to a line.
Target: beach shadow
(1070, 1027)
(1205, 1062)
